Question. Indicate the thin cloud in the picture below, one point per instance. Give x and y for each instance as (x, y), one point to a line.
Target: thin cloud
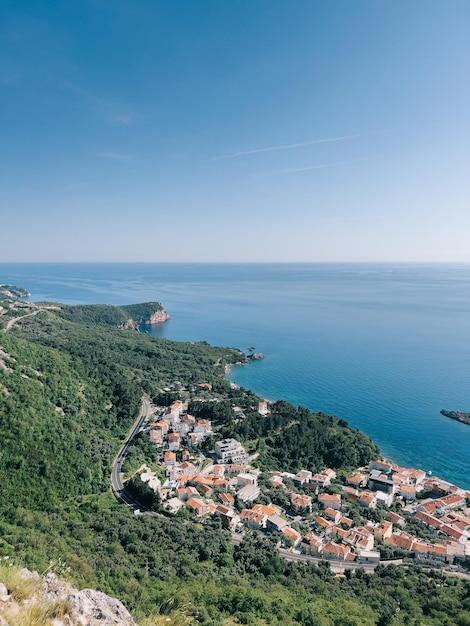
(115, 156)
(290, 146)
(292, 170)
(107, 108)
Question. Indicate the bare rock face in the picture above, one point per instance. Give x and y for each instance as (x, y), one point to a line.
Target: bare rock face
(158, 317)
(86, 607)
(66, 605)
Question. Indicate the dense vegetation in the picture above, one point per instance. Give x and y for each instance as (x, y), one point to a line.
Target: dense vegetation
(69, 391)
(109, 315)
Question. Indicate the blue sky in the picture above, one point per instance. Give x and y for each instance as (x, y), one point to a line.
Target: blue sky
(255, 130)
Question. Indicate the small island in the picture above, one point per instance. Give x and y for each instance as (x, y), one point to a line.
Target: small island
(460, 416)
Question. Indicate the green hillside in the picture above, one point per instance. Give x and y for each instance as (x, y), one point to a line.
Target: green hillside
(70, 388)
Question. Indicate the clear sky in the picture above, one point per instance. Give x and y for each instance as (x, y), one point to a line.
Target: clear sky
(247, 130)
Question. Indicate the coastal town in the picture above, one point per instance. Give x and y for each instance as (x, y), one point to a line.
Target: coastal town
(377, 513)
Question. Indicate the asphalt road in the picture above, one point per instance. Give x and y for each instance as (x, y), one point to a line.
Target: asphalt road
(116, 474)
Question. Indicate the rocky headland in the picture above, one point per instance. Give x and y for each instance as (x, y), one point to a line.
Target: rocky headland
(460, 416)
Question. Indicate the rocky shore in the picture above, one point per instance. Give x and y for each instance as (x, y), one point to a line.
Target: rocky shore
(460, 416)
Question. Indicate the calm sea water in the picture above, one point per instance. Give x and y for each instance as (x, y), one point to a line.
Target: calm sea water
(383, 346)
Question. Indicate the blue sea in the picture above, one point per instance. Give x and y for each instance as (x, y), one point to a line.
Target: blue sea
(384, 346)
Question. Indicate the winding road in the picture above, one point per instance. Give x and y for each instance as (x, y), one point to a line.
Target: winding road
(116, 475)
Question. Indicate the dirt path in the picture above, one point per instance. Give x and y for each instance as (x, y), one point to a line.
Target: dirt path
(13, 321)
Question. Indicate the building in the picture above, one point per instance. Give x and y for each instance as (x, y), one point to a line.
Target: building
(246, 479)
(330, 500)
(379, 481)
(231, 451)
(335, 551)
(301, 503)
(248, 493)
(197, 506)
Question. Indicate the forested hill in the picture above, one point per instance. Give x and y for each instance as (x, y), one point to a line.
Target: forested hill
(116, 316)
(70, 390)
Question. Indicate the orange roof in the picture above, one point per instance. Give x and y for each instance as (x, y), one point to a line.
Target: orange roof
(195, 503)
(402, 540)
(453, 498)
(321, 521)
(327, 497)
(336, 549)
(265, 509)
(291, 534)
(227, 497)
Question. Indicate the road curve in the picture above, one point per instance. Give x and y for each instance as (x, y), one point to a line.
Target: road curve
(116, 474)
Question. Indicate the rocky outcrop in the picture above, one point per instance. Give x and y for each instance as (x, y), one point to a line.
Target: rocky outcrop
(157, 318)
(460, 416)
(59, 602)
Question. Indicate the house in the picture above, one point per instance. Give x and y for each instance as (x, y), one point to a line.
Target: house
(346, 521)
(368, 500)
(173, 505)
(184, 493)
(195, 439)
(324, 524)
(320, 479)
(368, 556)
(173, 441)
(292, 535)
(453, 501)
(312, 544)
(383, 530)
(275, 523)
(330, 500)
(381, 466)
(395, 518)
(266, 509)
(302, 477)
(335, 551)
(230, 519)
(156, 436)
(351, 494)
(408, 492)
(231, 451)
(332, 515)
(401, 540)
(248, 493)
(197, 506)
(169, 458)
(173, 412)
(357, 480)
(431, 551)
(301, 503)
(246, 479)
(263, 408)
(188, 468)
(206, 490)
(227, 499)
(253, 519)
(204, 427)
(360, 538)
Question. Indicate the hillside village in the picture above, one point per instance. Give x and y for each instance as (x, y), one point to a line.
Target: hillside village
(379, 511)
